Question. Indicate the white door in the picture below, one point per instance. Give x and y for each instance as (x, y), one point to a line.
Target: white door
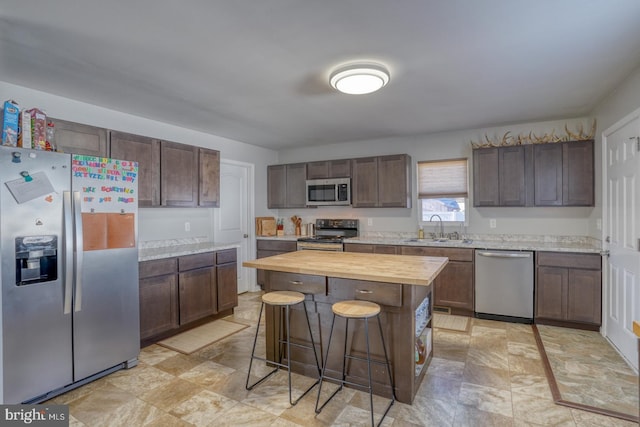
(231, 220)
(621, 189)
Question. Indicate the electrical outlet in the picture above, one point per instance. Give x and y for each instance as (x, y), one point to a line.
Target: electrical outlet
(187, 226)
(369, 222)
(599, 224)
(492, 223)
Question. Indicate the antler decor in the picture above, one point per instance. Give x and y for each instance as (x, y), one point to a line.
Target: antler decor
(532, 138)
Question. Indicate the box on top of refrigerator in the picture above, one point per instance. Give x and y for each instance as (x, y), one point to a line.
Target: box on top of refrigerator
(24, 131)
(10, 123)
(38, 128)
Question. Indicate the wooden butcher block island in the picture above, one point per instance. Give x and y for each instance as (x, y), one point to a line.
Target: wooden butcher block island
(401, 284)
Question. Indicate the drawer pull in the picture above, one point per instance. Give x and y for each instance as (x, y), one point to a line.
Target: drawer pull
(296, 282)
(364, 291)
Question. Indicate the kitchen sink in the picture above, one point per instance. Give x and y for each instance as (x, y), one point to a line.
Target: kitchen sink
(428, 240)
(438, 240)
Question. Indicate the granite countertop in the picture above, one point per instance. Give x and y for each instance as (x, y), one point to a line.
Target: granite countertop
(286, 238)
(172, 248)
(410, 269)
(496, 242)
(515, 245)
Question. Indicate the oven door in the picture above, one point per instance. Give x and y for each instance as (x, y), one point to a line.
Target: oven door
(320, 246)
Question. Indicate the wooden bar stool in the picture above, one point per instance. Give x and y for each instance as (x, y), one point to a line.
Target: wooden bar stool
(283, 300)
(362, 310)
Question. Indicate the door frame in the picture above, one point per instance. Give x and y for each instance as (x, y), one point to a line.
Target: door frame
(605, 227)
(249, 274)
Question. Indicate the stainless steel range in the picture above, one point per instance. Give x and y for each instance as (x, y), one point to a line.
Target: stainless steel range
(329, 235)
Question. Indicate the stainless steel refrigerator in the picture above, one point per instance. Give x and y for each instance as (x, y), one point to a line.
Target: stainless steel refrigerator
(69, 269)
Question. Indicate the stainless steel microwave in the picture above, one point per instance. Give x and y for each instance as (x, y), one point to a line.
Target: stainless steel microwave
(329, 192)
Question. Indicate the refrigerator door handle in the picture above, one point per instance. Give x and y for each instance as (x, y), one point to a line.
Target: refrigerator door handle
(68, 250)
(77, 214)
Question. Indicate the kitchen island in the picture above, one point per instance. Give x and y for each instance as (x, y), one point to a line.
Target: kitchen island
(402, 285)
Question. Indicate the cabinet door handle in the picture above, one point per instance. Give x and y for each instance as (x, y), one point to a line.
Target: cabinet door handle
(296, 282)
(364, 291)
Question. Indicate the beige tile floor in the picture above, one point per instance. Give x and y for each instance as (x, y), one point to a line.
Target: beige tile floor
(589, 371)
(489, 376)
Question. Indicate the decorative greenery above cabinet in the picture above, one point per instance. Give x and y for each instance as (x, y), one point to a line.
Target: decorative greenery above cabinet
(551, 174)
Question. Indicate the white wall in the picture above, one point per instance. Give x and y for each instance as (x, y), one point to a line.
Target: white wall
(155, 223)
(572, 221)
(537, 221)
(169, 223)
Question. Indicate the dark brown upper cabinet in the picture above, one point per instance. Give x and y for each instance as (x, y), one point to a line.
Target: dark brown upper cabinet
(486, 177)
(564, 174)
(376, 182)
(145, 151)
(364, 182)
(286, 186)
(578, 174)
(77, 138)
(276, 186)
(548, 174)
(554, 174)
(170, 174)
(329, 169)
(502, 176)
(394, 181)
(383, 182)
(208, 178)
(178, 174)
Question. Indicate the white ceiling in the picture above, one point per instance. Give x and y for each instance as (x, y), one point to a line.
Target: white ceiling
(257, 71)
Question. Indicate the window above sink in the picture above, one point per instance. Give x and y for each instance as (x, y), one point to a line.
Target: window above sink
(449, 209)
(443, 190)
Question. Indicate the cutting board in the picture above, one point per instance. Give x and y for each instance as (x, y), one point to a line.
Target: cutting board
(265, 226)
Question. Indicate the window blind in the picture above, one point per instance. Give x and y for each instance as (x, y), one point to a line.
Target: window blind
(442, 178)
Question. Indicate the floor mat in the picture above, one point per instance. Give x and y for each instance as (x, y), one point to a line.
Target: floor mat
(451, 322)
(584, 371)
(194, 339)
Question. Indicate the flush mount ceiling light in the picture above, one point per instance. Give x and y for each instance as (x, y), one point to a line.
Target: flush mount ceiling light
(358, 79)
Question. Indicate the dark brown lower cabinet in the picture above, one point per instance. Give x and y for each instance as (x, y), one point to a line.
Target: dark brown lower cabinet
(197, 294)
(454, 286)
(197, 280)
(266, 248)
(158, 297)
(181, 292)
(569, 289)
(227, 279)
(372, 249)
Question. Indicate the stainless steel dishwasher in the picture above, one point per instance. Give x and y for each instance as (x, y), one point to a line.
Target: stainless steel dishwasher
(504, 285)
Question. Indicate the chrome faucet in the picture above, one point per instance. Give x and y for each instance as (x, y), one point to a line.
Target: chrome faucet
(441, 236)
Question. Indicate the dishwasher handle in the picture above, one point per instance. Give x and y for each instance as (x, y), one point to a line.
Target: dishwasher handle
(504, 254)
